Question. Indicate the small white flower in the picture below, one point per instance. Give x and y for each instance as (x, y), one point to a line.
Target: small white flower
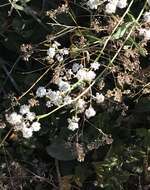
(99, 98)
(36, 126)
(81, 74)
(73, 123)
(59, 57)
(69, 74)
(81, 105)
(145, 33)
(30, 116)
(49, 104)
(24, 109)
(27, 132)
(21, 126)
(95, 65)
(55, 97)
(73, 126)
(41, 92)
(90, 112)
(147, 16)
(122, 4)
(67, 100)
(142, 31)
(111, 7)
(93, 4)
(14, 118)
(84, 75)
(76, 67)
(63, 86)
(148, 1)
(90, 76)
(51, 52)
(64, 51)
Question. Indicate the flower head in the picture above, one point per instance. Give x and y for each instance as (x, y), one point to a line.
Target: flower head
(51, 52)
(147, 16)
(95, 65)
(30, 116)
(14, 118)
(76, 67)
(55, 97)
(64, 51)
(90, 112)
(145, 33)
(59, 57)
(49, 104)
(63, 86)
(93, 4)
(81, 74)
(24, 109)
(67, 100)
(41, 92)
(81, 105)
(73, 123)
(111, 7)
(99, 98)
(122, 4)
(90, 76)
(84, 75)
(36, 126)
(27, 132)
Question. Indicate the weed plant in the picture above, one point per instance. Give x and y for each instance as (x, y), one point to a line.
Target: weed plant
(74, 86)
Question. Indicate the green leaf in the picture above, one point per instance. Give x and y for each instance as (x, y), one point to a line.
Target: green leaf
(143, 105)
(61, 150)
(121, 31)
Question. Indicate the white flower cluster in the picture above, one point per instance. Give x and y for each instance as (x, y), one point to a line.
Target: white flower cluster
(73, 123)
(24, 121)
(55, 52)
(41, 92)
(99, 98)
(93, 4)
(76, 67)
(147, 16)
(144, 33)
(95, 65)
(122, 4)
(55, 98)
(63, 86)
(112, 5)
(80, 105)
(90, 112)
(85, 75)
(63, 96)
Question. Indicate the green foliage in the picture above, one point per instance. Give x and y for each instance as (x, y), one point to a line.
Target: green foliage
(61, 150)
(122, 30)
